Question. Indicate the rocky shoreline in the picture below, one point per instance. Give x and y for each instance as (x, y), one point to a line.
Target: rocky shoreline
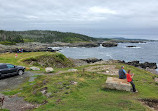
(37, 47)
(144, 65)
(151, 67)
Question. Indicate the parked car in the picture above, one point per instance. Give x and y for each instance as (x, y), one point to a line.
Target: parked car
(9, 69)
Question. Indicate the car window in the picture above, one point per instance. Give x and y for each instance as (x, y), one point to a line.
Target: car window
(3, 66)
(10, 66)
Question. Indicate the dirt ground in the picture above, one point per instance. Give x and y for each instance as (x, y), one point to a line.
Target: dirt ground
(15, 103)
(103, 69)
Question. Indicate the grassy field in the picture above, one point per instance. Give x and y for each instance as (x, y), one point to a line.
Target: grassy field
(45, 58)
(83, 91)
(88, 94)
(10, 57)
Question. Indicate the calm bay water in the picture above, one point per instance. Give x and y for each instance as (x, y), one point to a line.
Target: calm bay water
(143, 52)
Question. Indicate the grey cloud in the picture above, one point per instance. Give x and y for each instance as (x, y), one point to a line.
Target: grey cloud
(92, 17)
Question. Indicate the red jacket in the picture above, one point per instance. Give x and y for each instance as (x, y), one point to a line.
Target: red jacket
(129, 78)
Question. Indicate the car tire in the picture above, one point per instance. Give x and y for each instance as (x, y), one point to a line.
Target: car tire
(20, 72)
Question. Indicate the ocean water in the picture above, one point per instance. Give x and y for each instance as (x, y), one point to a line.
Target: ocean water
(143, 52)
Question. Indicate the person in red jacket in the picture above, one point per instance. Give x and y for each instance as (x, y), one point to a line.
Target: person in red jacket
(130, 80)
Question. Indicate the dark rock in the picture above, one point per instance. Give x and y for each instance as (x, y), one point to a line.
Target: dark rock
(119, 61)
(134, 63)
(136, 41)
(85, 44)
(78, 44)
(131, 46)
(143, 65)
(91, 60)
(153, 103)
(109, 44)
(147, 64)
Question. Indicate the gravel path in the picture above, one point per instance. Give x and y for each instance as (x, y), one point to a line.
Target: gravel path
(15, 103)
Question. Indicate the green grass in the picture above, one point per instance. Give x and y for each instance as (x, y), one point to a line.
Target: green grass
(10, 57)
(9, 93)
(56, 59)
(89, 94)
(7, 43)
(4, 110)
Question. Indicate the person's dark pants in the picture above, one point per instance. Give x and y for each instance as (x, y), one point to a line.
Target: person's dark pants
(133, 86)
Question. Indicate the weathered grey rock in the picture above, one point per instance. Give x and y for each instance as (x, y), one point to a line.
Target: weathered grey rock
(109, 44)
(118, 84)
(28, 106)
(44, 92)
(35, 68)
(156, 80)
(107, 71)
(49, 69)
(74, 83)
(72, 70)
(48, 94)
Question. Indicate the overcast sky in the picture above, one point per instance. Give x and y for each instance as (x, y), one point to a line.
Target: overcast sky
(97, 18)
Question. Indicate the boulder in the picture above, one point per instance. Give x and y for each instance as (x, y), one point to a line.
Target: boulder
(74, 83)
(156, 80)
(109, 44)
(48, 94)
(49, 69)
(43, 92)
(35, 68)
(72, 70)
(118, 84)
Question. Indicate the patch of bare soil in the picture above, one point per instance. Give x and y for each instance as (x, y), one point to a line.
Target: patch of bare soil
(152, 103)
(15, 103)
(103, 69)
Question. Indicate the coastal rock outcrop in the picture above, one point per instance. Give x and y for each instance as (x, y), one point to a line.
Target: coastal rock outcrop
(91, 60)
(144, 65)
(131, 46)
(109, 44)
(118, 84)
(37, 47)
(79, 44)
(26, 47)
(89, 44)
